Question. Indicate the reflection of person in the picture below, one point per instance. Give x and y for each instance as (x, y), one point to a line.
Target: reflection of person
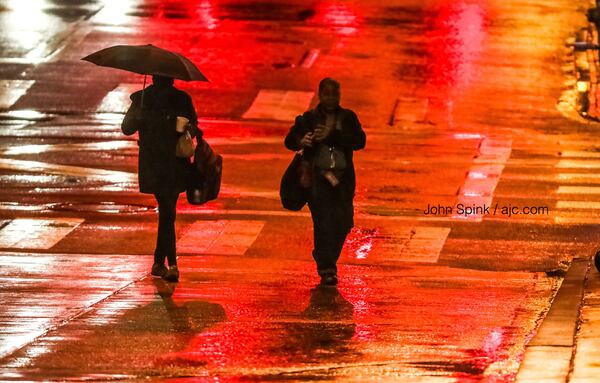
(188, 316)
(153, 114)
(329, 127)
(325, 331)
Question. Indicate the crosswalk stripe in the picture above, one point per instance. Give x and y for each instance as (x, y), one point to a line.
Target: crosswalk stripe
(36, 233)
(578, 190)
(223, 237)
(590, 205)
(578, 164)
(40, 167)
(12, 90)
(578, 176)
(580, 154)
(46, 148)
(560, 219)
(483, 177)
(282, 105)
(413, 244)
(411, 109)
(117, 100)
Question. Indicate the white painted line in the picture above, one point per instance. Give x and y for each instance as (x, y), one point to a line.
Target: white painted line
(580, 154)
(579, 164)
(220, 237)
(412, 244)
(42, 167)
(272, 104)
(560, 219)
(589, 205)
(426, 244)
(12, 90)
(36, 233)
(92, 146)
(578, 190)
(411, 109)
(117, 100)
(578, 177)
(310, 59)
(483, 177)
(490, 170)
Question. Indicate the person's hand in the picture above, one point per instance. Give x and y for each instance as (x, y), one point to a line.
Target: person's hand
(307, 140)
(322, 132)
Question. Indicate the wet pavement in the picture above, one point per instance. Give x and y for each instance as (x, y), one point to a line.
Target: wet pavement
(460, 102)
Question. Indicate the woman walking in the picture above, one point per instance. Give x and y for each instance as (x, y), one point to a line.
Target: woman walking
(328, 135)
(153, 113)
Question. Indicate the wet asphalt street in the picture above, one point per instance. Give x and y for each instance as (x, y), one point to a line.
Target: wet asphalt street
(459, 103)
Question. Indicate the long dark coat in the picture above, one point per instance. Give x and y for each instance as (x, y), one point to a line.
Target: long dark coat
(159, 170)
(331, 206)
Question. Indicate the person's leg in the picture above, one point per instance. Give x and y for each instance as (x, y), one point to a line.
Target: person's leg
(167, 216)
(159, 251)
(338, 244)
(323, 251)
(167, 210)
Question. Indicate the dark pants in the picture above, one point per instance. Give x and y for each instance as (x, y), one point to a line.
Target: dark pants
(328, 246)
(331, 226)
(165, 239)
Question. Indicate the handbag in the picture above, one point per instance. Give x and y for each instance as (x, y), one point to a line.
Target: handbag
(204, 179)
(295, 184)
(185, 146)
(330, 158)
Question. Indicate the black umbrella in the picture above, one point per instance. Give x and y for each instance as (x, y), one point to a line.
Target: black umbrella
(147, 60)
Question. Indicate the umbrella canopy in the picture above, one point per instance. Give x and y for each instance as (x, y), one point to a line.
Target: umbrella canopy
(147, 60)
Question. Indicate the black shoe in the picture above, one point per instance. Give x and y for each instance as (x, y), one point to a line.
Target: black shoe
(158, 270)
(329, 280)
(172, 274)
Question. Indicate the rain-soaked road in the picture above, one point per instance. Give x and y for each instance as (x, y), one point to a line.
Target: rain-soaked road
(458, 99)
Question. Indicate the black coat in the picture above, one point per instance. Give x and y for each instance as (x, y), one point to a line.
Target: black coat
(331, 206)
(159, 170)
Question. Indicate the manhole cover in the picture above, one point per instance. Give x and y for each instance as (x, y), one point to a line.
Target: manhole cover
(104, 207)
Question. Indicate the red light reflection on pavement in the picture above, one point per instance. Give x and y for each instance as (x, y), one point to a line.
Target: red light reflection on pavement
(339, 17)
(454, 42)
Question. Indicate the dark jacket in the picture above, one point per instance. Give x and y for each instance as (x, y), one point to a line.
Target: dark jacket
(159, 170)
(326, 200)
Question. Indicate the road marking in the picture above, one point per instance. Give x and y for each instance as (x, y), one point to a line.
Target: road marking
(12, 90)
(590, 205)
(578, 176)
(578, 190)
(36, 233)
(224, 237)
(113, 176)
(117, 100)
(310, 58)
(411, 109)
(580, 154)
(578, 164)
(483, 177)
(420, 244)
(93, 146)
(272, 104)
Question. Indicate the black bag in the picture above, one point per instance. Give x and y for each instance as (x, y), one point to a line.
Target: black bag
(204, 179)
(292, 193)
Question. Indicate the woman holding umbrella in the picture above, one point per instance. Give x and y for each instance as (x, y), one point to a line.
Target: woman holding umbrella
(154, 113)
(160, 172)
